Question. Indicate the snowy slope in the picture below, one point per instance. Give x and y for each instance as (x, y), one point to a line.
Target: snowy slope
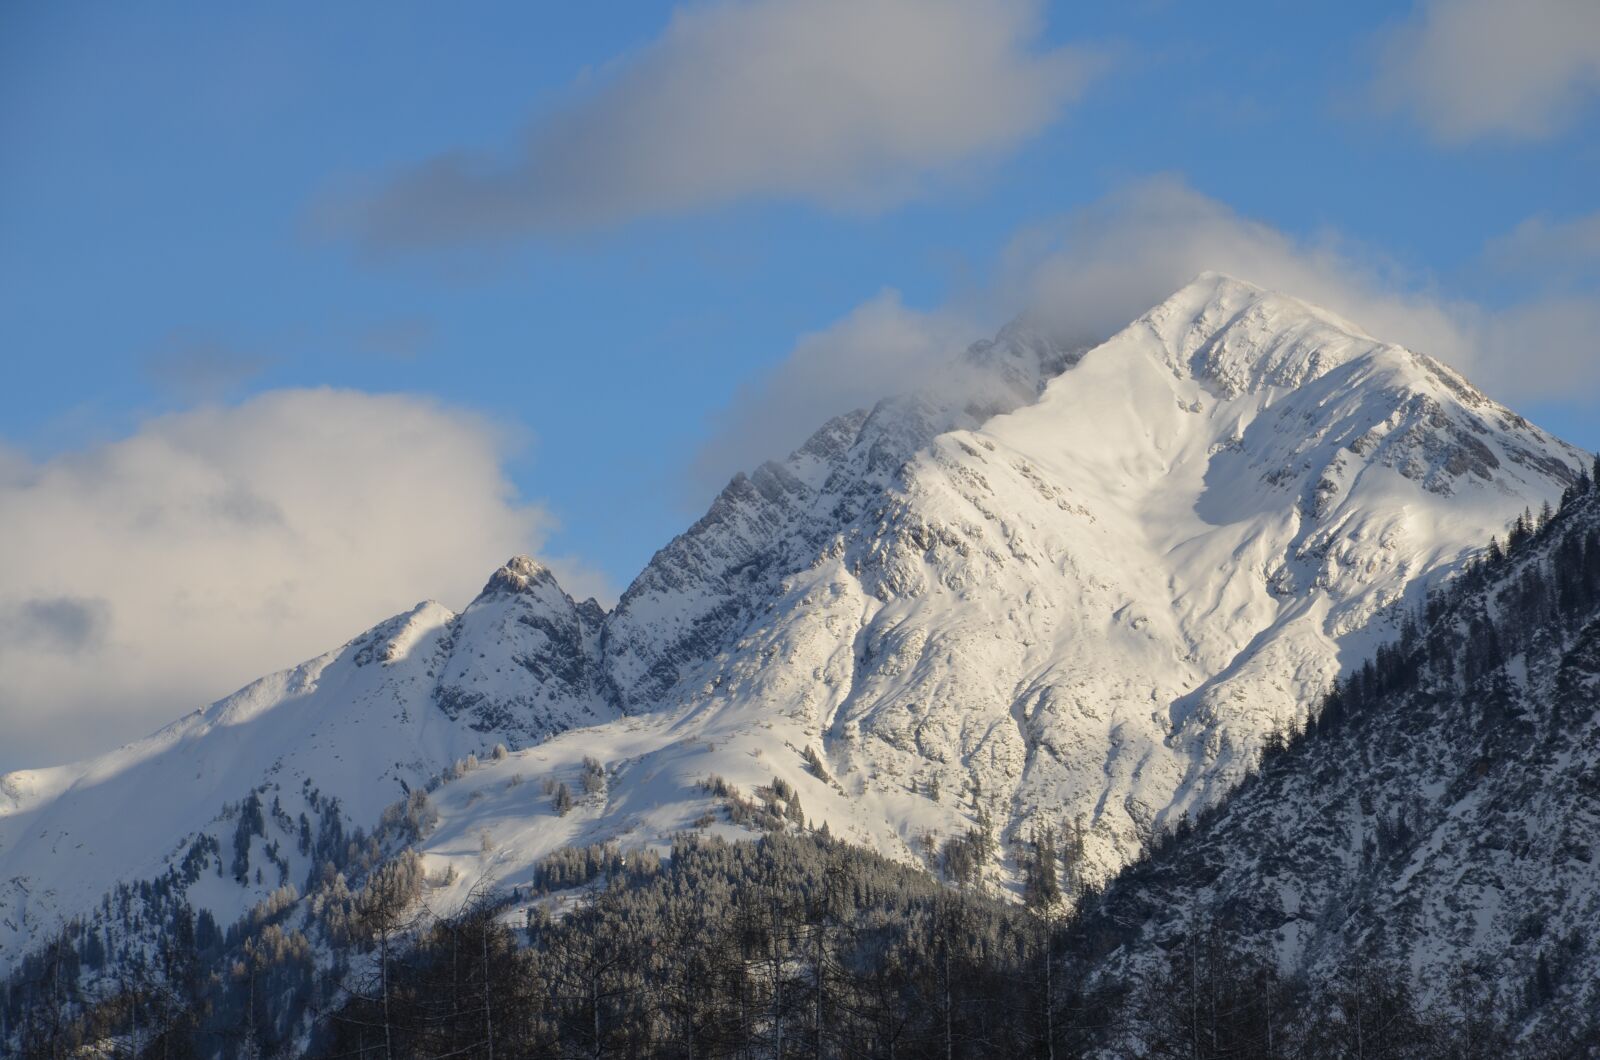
(1098, 604)
(1064, 585)
(1443, 822)
(389, 710)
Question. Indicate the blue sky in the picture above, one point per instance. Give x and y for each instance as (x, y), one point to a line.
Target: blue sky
(202, 205)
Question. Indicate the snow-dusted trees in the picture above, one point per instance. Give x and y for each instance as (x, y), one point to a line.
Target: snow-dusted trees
(963, 856)
(459, 988)
(594, 776)
(383, 911)
(814, 764)
(411, 818)
(251, 822)
(794, 946)
(1041, 871)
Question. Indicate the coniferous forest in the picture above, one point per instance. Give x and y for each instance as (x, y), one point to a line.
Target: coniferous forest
(793, 945)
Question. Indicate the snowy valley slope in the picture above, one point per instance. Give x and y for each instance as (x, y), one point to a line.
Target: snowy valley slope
(1069, 586)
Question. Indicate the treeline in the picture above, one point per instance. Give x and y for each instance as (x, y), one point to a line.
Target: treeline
(796, 945)
(1546, 575)
(144, 974)
(1513, 597)
(793, 945)
(1454, 684)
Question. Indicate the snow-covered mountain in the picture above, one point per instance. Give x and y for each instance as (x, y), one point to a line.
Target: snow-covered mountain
(1063, 586)
(1442, 817)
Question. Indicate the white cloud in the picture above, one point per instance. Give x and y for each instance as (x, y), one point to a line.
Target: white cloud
(846, 103)
(1099, 267)
(1093, 270)
(151, 575)
(880, 348)
(1491, 68)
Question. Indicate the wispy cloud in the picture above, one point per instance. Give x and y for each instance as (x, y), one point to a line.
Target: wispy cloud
(403, 339)
(201, 368)
(882, 347)
(844, 103)
(1560, 251)
(1472, 69)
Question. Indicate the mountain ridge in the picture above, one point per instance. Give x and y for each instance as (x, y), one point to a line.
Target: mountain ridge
(1077, 585)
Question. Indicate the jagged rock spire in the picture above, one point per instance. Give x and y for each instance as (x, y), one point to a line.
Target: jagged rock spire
(519, 575)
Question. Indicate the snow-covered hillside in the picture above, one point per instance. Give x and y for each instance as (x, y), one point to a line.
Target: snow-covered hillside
(1065, 586)
(360, 725)
(1441, 819)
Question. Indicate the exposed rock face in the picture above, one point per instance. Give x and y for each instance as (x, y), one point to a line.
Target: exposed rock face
(1067, 586)
(530, 664)
(709, 582)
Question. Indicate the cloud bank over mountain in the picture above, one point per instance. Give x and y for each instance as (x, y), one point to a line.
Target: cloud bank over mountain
(882, 347)
(1084, 274)
(155, 573)
(1101, 264)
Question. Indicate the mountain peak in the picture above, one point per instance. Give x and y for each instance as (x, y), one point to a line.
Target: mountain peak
(1219, 297)
(518, 575)
(1216, 279)
(1238, 337)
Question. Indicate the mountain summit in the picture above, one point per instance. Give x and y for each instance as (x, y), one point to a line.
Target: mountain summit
(1080, 589)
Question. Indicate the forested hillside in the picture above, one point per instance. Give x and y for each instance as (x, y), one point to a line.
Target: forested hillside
(793, 945)
(1435, 828)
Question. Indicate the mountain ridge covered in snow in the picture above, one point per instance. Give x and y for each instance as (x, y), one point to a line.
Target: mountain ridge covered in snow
(1074, 586)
